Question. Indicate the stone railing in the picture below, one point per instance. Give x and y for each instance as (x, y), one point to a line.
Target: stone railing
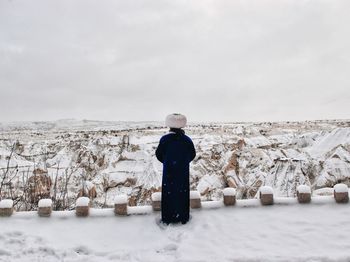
(121, 208)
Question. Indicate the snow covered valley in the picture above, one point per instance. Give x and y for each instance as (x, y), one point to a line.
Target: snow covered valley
(65, 159)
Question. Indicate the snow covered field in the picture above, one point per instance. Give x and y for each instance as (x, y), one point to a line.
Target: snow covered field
(294, 232)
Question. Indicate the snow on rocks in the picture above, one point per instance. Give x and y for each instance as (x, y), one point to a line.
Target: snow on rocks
(82, 206)
(122, 162)
(339, 168)
(266, 195)
(121, 205)
(6, 203)
(325, 143)
(6, 207)
(341, 193)
(121, 199)
(304, 189)
(194, 195)
(256, 142)
(195, 200)
(156, 196)
(45, 203)
(82, 202)
(229, 196)
(122, 176)
(304, 194)
(88, 189)
(229, 191)
(156, 201)
(45, 207)
(209, 183)
(341, 188)
(265, 190)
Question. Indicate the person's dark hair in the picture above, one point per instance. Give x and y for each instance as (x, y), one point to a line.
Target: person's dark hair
(177, 130)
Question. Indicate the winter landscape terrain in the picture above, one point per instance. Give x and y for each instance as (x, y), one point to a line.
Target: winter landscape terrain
(66, 159)
(255, 62)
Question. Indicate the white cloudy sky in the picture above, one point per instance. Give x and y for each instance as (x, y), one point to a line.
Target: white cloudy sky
(217, 60)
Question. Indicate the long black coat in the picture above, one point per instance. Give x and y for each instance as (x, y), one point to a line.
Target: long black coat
(175, 151)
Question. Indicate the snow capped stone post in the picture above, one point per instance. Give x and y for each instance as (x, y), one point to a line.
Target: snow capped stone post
(6, 207)
(304, 194)
(341, 193)
(156, 201)
(45, 207)
(195, 200)
(82, 207)
(121, 205)
(266, 195)
(229, 196)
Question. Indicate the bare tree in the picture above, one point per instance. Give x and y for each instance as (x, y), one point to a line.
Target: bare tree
(6, 172)
(61, 200)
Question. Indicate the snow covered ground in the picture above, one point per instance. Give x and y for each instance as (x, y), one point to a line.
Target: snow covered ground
(118, 158)
(315, 232)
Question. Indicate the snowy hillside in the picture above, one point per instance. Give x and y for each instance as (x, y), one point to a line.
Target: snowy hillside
(105, 159)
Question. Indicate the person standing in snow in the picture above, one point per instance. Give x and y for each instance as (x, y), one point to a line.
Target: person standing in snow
(175, 151)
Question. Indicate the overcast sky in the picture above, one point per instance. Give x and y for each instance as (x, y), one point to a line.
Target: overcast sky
(218, 60)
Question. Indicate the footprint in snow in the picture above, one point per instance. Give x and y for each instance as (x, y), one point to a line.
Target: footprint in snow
(4, 253)
(14, 234)
(82, 250)
(168, 248)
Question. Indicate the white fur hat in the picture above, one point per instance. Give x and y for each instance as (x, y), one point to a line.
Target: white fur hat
(175, 121)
